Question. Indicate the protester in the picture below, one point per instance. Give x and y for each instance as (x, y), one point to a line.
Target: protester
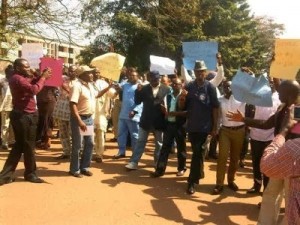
(24, 118)
(5, 109)
(281, 161)
(152, 96)
(272, 196)
(62, 112)
(174, 130)
(130, 113)
(82, 104)
(101, 114)
(231, 138)
(202, 105)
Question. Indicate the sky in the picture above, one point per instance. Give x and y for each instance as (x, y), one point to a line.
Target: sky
(283, 12)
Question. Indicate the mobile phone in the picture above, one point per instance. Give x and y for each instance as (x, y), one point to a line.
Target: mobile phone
(297, 113)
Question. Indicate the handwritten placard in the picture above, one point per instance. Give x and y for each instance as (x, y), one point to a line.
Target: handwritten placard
(163, 65)
(110, 65)
(252, 90)
(56, 66)
(287, 59)
(203, 50)
(32, 52)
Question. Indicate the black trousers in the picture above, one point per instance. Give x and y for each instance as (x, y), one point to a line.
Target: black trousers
(172, 131)
(197, 140)
(24, 126)
(257, 150)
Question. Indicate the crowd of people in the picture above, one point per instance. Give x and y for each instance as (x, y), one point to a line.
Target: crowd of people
(200, 109)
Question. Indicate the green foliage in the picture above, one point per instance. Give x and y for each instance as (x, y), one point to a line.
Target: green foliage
(138, 28)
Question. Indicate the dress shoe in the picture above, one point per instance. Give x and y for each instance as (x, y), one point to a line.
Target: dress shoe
(156, 174)
(63, 156)
(6, 180)
(4, 147)
(191, 188)
(77, 174)
(87, 173)
(217, 190)
(233, 186)
(255, 189)
(113, 140)
(212, 156)
(119, 156)
(180, 173)
(98, 159)
(34, 179)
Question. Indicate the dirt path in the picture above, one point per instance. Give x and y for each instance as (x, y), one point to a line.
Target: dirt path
(114, 196)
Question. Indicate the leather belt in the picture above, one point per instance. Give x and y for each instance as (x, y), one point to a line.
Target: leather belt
(234, 128)
(85, 115)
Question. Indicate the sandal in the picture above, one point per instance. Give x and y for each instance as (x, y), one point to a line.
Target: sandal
(217, 190)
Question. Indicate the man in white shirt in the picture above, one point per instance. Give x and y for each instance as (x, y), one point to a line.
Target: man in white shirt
(231, 138)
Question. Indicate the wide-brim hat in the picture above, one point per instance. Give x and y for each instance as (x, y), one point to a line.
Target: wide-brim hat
(200, 65)
(84, 69)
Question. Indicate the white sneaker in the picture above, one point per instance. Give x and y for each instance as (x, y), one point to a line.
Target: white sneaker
(132, 166)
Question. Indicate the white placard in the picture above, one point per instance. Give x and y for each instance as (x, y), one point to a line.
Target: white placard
(32, 52)
(163, 65)
(89, 131)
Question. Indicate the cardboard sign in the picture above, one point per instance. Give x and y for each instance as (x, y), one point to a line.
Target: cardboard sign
(110, 65)
(252, 90)
(56, 66)
(32, 52)
(203, 50)
(163, 65)
(287, 59)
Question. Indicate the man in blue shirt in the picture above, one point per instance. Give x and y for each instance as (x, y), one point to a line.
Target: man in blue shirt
(201, 102)
(130, 114)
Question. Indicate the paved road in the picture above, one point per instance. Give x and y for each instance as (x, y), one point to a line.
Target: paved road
(114, 196)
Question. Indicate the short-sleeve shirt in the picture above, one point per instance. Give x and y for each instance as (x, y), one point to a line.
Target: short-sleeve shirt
(84, 96)
(200, 102)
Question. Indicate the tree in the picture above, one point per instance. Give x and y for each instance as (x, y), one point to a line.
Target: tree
(41, 18)
(139, 28)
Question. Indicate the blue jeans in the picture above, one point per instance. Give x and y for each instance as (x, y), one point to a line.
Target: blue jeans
(139, 148)
(88, 145)
(126, 126)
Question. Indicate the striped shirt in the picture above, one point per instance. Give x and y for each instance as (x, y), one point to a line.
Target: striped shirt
(282, 160)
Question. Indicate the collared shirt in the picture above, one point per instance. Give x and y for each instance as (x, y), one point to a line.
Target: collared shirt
(128, 103)
(172, 108)
(155, 90)
(83, 94)
(230, 105)
(23, 90)
(263, 113)
(200, 102)
(281, 160)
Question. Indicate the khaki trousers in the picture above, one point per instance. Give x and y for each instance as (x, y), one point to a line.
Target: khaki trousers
(230, 143)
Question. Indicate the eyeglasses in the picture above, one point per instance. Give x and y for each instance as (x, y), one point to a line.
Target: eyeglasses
(176, 83)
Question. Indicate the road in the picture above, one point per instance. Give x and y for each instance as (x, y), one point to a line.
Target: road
(114, 196)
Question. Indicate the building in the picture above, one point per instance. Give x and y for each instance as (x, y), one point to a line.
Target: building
(56, 49)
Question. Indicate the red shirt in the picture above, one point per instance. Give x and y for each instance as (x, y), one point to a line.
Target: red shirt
(23, 89)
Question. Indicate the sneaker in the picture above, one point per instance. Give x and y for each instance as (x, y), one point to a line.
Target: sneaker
(131, 166)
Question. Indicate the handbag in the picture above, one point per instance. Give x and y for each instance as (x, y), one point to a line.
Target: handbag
(62, 109)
